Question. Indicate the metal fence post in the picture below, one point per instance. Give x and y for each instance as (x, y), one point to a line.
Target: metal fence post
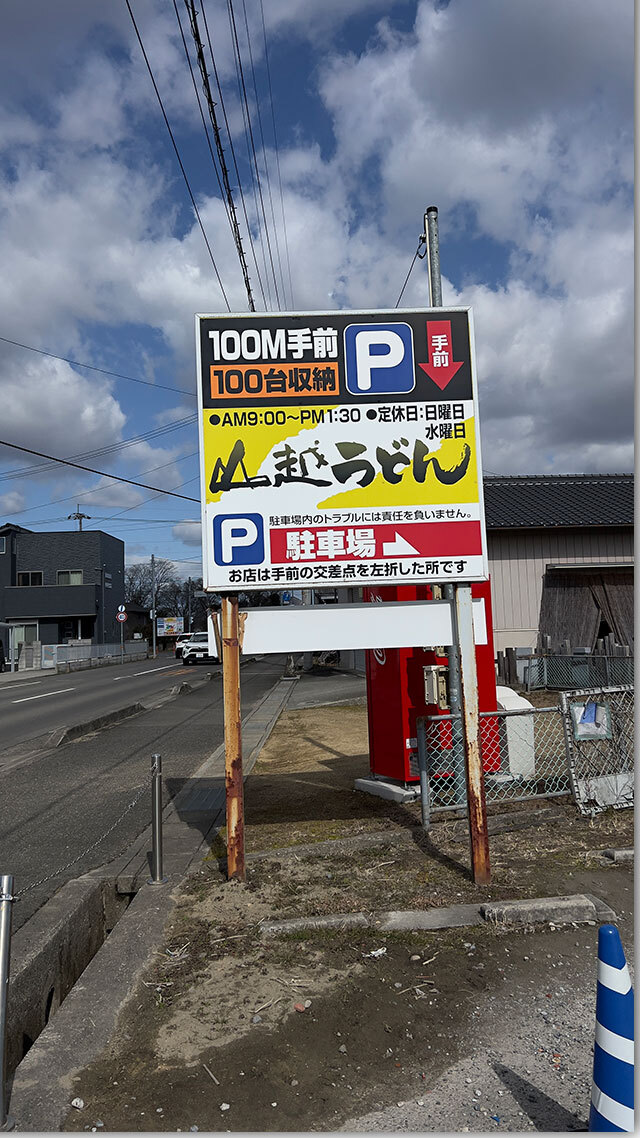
(157, 877)
(6, 901)
(425, 801)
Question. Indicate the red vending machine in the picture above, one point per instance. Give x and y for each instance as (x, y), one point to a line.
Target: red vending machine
(399, 681)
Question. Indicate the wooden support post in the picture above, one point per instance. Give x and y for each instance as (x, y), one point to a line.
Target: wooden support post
(476, 804)
(233, 738)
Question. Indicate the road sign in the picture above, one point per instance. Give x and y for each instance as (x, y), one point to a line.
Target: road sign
(339, 448)
(121, 608)
(121, 616)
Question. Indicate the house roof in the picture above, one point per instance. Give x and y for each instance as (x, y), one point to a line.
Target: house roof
(543, 501)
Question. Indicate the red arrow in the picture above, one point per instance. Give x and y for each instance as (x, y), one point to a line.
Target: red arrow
(440, 368)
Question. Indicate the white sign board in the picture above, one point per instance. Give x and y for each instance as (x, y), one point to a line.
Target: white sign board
(339, 448)
(410, 624)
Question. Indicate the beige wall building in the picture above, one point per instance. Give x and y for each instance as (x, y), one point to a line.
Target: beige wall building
(560, 558)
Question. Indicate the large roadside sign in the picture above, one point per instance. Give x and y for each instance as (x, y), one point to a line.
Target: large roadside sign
(339, 448)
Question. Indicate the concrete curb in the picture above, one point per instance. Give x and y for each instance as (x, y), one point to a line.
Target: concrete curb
(43, 1082)
(575, 908)
(618, 856)
(66, 734)
(579, 908)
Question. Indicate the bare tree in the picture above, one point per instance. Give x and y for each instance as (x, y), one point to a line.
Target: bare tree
(137, 581)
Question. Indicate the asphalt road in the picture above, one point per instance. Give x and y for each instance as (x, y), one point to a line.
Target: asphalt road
(35, 705)
(59, 802)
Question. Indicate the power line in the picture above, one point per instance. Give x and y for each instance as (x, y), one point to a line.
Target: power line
(422, 241)
(231, 208)
(102, 370)
(233, 155)
(275, 142)
(252, 147)
(98, 489)
(91, 470)
(41, 467)
(177, 153)
(199, 101)
(264, 149)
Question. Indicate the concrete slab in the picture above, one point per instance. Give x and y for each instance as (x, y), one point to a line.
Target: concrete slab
(618, 855)
(389, 790)
(449, 917)
(299, 924)
(577, 907)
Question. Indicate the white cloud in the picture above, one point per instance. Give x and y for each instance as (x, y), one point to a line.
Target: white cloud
(513, 118)
(12, 502)
(188, 532)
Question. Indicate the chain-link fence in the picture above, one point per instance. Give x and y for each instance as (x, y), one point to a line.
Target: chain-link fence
(562, 673)
(523, 756)
(599, 735)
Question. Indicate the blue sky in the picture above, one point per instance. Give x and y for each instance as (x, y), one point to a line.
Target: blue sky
(514, 119)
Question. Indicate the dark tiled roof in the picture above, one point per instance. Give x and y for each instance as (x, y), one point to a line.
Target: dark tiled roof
(535, 501)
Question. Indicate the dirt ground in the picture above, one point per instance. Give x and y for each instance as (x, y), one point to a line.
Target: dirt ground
(231, 1030)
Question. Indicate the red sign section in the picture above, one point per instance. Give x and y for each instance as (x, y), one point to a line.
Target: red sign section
(366, 543)
(441, 367)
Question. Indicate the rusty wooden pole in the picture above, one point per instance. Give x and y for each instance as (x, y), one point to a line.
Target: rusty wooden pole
(476, 803)
(233, 738)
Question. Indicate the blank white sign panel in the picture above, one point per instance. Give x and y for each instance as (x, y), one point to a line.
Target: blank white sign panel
(319, 628)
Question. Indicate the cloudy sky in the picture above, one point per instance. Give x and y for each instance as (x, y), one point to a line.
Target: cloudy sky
(515, 119)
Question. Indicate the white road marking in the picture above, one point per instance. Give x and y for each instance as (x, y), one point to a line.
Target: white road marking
(151, 671)
(45, 695)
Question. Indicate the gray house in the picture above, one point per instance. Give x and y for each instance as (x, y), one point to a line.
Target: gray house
(560, 558)
(57, 587)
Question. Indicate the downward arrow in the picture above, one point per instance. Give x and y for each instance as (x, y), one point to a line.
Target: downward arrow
(440, 368)
(398, 548)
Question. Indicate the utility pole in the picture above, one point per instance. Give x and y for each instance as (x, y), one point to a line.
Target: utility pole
(153, 603)
(189, 605)
(463, 681)
(78, 516)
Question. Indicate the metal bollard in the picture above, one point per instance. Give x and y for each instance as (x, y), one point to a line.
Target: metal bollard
(6, 901)
(157, 877)
(425, 801)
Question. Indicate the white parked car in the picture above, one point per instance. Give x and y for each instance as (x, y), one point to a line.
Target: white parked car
(183, 639)
(196, 651)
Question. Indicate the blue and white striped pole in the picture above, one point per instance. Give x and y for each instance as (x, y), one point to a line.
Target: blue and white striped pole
(612, 1093)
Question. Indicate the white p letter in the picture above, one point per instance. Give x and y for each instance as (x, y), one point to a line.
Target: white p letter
(365, 361)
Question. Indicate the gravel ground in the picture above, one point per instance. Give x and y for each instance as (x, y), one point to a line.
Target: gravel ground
(529, 1060)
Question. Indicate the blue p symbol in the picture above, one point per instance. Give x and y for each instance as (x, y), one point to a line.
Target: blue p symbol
(379, 359)
(238, 539)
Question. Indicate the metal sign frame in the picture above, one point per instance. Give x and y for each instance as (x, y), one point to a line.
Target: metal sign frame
(243, 525)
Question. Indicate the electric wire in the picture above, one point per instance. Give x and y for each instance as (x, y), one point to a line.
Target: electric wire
(264, 148)
(275, 143)
(231, 207)
(252, 147)
(422, 241)
(99, 489)
(199, 101)
(177, 153)
(233, 155)
(102, 370)
(40, 468)
(91, 470)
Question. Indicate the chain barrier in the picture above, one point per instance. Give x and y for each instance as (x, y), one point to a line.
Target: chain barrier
(144, 789)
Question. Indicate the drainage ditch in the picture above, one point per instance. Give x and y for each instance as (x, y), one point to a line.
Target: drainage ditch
(50, 953)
